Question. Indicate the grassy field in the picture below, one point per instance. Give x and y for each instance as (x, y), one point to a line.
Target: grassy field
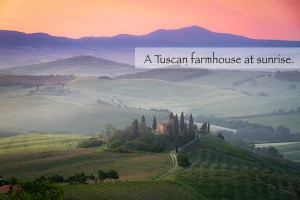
(147, 190)
(289, 150)
(130, 166)
(222, 171)
(76, 113)
(31, 142)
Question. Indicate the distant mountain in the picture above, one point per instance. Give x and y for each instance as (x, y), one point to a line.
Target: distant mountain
(193, 36)
(18, 48)
(84, 65)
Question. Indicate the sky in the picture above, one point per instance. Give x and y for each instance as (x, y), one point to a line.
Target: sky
(259, 19)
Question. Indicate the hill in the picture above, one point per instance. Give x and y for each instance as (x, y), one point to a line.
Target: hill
(168, 74)
(84, 65)
(18, 48)
(91, 102)
(222, 171)
(27, 81)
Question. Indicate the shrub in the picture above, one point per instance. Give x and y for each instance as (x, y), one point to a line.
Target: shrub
(93, 142)
(182, 160)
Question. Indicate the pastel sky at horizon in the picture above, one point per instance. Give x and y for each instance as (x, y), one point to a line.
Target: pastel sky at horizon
(259, 19)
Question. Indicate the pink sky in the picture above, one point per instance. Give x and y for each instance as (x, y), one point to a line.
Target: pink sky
(261, 19)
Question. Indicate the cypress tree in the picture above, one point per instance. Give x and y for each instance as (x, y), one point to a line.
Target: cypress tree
(182, 129)
(191, 128)
(182, 124)
(135, 128)
(143, 118)
(171, 116)
(170, 131)
(176, 130)
(143, 123)
(154, 125)
(185, 136)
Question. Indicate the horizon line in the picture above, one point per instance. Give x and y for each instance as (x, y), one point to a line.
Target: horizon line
(103, 36)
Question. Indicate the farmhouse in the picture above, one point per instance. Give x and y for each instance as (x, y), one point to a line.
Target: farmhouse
(162, 127)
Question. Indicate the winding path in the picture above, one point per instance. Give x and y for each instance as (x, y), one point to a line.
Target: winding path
(174, 159)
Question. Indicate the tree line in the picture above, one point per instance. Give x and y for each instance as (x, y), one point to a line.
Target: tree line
(291, 76)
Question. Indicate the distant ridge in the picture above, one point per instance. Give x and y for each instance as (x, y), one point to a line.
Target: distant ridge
(32, 48)
(80, 65)
(189, 36)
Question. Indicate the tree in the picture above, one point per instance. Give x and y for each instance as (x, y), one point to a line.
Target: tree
(182, 129)
(102, 175)
(182, 160)
(171, 116)
(203, 128)
(282, 132)
(143, 123)
(143, 118)
(171, 131)
(154, 125)
(176, 130)
(221, 136)
(11, 181)
(38, 190)
(113, 174)
(110, 131)
(191, 133)
(185, 136)
(271, 151)
(197, 131)
(181, 124)
(135, 128)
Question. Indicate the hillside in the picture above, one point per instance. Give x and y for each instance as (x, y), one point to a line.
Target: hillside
(84, 65)
(147, 190)
(86, 104)
(29, 156)
(222, 171)
(218, 171)
(168, 74)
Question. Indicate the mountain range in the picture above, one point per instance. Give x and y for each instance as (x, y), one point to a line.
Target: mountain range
(193, 36)
(17, 48)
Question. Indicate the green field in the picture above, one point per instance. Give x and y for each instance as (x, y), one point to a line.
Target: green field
(31, 162)
(31, 142)
(132, 190)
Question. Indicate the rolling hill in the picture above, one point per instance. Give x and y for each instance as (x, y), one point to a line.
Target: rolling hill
(168, 74)
(92, 102)
(84, 65)
(222, 171)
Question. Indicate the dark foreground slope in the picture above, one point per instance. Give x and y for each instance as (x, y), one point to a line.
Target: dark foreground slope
(222, 171)
(218, 171)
